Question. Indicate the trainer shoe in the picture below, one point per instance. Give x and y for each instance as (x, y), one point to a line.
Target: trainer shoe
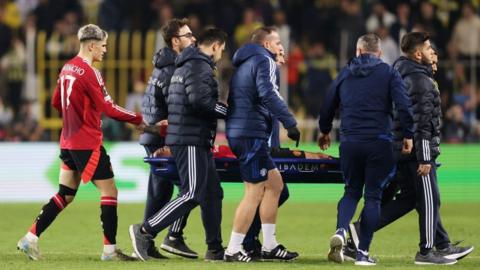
(455, 252)
(30, 248)
(140, 241)
(433, 258)
(117, 255)
(364, 260)
(215, 255)
(255, 252)
(349, 252)
(335, 253)
(354, 231)
(279, 253)
(152, 252)
(177, 246)
(240, 256)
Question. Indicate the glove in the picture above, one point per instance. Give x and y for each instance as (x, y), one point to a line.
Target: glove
(294, 134)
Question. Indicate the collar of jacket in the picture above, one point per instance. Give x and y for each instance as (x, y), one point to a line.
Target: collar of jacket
(191, 53)
(406, 66)
(164, 57)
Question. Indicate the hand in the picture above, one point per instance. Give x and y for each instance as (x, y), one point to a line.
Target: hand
(162, 127)
(324, 141)
(407, 146)
(162, 152)
(424, 169)
(294, 134)
(141, 127)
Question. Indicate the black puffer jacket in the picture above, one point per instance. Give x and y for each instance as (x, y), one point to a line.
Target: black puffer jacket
(154, 106)
(425, 97)
(193, 107)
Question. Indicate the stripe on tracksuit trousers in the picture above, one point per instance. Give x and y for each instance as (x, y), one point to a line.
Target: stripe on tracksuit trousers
(406, 180)
(159, 193)
(421, 191)
(199, 185)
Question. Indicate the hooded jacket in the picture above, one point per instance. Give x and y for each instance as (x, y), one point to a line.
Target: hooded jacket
(193, 107)
(365, 91)
(254, 98)
(154, 105)
(425, 96)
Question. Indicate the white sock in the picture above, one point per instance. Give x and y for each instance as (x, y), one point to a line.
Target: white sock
(235, 244)
(31, 237)
(269, 238)
(108, 249)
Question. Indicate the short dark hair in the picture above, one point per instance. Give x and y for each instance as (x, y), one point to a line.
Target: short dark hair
(259, 35)
(369, 42)
(412, 40)
(211, 35)
(172, 28)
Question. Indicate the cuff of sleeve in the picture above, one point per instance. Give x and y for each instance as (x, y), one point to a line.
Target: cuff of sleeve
(408, 135)
(138, 119)
(325, 130)
(221, 109)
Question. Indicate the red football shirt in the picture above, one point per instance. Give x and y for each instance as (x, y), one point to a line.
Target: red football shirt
(81, 97)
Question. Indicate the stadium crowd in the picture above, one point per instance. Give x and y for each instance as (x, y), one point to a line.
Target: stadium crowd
(318, 43)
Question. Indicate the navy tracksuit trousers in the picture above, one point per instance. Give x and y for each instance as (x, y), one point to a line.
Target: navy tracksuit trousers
(420, 193)
(159, 193)
(199, 185)
(367, 167)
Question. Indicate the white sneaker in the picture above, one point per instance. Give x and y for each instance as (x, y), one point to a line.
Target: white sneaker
(335, 254)
(117, 255)
(30, 248)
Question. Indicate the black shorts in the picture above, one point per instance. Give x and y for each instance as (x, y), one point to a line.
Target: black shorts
(92, 164)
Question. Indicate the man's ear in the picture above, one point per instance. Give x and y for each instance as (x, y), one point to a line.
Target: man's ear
(174, 41)
(358, 52)
(266, 44)
(215, 46)
(90, 46)
(417, 54)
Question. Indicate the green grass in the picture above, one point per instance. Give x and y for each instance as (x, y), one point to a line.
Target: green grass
(74, 241)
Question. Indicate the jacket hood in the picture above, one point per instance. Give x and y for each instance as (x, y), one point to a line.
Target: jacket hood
(191, 53)
(363, 65)
(164, 57)
(406, 66)
(247, 51)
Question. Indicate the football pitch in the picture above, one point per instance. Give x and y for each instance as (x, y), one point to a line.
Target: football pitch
(305, 224)
(74, 241)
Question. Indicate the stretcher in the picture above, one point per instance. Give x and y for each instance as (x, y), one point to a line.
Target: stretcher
(293, 170)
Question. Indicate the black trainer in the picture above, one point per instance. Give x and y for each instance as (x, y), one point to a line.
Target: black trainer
(215, 255)
(140, 241)
(455, 252)
(279, 253)
(363, 259)
(349, 251)
(153, 252)
(433, 258)
(177, 246)
(240, 256)
(256, 251)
